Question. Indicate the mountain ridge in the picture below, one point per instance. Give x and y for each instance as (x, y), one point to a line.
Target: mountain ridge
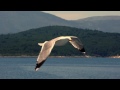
(17, 21)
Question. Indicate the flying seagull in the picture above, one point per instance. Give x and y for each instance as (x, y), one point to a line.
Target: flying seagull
(47, 47)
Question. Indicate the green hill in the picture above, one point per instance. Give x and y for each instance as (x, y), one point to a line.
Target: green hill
(97, 43)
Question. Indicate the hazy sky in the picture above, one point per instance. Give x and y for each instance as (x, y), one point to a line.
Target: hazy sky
(73, 15)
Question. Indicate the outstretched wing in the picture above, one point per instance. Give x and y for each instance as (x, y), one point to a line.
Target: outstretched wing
(44, 53)
(77, 43)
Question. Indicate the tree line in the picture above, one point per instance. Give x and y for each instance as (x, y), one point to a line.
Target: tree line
(96, 43)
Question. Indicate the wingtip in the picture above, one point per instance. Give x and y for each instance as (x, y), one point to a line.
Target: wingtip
(83, 50)
(36, 69)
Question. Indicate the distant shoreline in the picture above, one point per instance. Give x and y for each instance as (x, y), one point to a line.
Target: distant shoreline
(23, 56)
(37, 56)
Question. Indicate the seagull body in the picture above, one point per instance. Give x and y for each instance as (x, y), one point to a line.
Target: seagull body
(47, 47)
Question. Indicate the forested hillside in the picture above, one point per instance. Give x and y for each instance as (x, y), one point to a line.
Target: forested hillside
(96, 43)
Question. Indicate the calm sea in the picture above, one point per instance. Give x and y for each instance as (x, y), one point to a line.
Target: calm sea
(60, 68)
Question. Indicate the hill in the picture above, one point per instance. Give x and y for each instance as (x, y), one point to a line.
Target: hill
(97, 43)
(101, 23)
(17, 21)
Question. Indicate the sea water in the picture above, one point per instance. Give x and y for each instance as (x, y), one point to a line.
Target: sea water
(60, 68)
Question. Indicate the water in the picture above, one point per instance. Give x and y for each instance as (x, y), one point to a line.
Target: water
(60, 68)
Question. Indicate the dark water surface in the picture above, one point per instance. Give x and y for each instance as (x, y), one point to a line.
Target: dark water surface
(60, 68)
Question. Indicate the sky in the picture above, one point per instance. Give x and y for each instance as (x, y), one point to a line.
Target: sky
(74, 15)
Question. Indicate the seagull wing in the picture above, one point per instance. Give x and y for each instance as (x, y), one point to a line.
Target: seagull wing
(77, 43)
(44, 53)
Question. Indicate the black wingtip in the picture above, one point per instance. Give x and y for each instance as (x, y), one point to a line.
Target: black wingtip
(83, 50)
(38, 65)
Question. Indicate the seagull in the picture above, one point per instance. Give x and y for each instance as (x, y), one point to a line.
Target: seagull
(47, 47)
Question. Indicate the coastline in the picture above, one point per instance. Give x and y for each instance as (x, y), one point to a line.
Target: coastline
(25, 56)
(115, 56)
